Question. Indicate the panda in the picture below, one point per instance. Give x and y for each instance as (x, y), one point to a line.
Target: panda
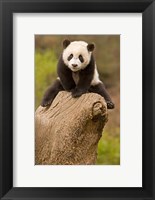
(77, 73)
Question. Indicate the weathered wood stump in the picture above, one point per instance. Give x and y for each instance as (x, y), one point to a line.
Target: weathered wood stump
(67, 132)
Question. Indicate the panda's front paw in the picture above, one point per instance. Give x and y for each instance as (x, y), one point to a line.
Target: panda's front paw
(77, 92)
(110, 105)
(46, 102)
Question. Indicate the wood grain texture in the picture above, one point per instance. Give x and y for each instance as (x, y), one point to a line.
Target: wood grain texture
(67, 132)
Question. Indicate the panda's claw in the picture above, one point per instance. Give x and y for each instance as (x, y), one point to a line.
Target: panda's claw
(46, 103)
(76, 93)
(110, 105)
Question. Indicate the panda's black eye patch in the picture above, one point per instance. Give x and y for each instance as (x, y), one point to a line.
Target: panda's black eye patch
(70, 57)
(81, 58)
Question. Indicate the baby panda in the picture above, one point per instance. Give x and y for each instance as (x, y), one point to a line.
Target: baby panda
(77, 73)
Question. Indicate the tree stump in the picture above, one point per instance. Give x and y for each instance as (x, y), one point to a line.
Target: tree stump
(68, 132)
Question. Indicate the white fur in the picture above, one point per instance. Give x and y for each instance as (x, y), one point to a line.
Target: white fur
(96, 79)
(77, 48)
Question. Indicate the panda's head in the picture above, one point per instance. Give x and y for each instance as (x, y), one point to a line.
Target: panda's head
(77, 55)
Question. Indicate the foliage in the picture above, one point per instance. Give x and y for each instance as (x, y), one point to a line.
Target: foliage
(109, 150)
(45, 72)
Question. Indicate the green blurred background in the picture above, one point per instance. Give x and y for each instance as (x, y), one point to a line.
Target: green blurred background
(107, 53)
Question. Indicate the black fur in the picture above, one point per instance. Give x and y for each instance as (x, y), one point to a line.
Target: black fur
(65, 75)
(67, 83)
(51, 93)
(81, 58)
(66, 43)
(100, 89)
(85, 78)
(70, 57)
(90, 47)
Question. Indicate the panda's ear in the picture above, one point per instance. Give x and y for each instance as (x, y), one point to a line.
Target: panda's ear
(91, 47)
(66, 43)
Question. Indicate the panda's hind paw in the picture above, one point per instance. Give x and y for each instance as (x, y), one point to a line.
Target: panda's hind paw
(46, 103)
(110, 105)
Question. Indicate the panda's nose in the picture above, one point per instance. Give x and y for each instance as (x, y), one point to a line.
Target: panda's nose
(74, 65)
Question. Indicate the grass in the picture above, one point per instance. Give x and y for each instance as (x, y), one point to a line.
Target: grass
(45, 72)
(109, 150)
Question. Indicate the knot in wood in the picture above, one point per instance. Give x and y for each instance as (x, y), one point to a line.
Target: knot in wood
(98, 109)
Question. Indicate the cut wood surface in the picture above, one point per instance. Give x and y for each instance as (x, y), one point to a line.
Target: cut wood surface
(68, 132)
